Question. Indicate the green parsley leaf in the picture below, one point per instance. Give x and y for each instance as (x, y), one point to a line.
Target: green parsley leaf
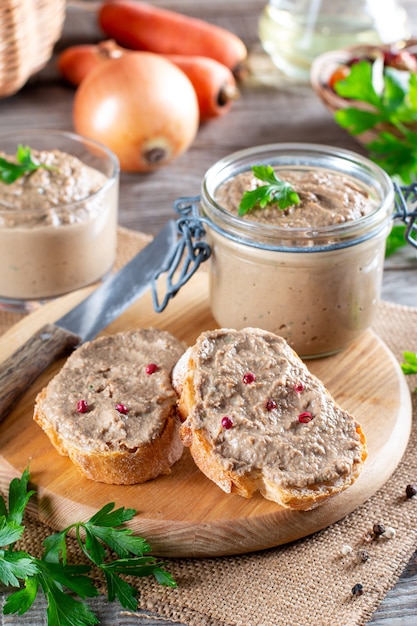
(163, 577)
(393, 114)
(409, 366)
(55, 548)
(107, 517)
(64, 610)
(140, 566)
(394, 94)
(70, 576)
(93, 548)
(410, 363)
(14, 565)
(9, 531)
(396, 239)
(19, 496)
(412, 94)
(275, 191)
(102, 533)
(397, 156)
(99, 530)
(122, 541)
(395, 108)
(358, 84)
(10, 171)
(357, 121)
(21, 601)
(120, 589)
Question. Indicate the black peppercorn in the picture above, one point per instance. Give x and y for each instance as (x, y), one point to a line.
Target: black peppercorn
(357, 590)
(378, 529)
(411, 491)
(363, 555)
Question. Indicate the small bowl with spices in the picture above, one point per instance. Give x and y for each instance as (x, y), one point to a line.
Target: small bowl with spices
(297, 234)
(367, 89)
(58, 215)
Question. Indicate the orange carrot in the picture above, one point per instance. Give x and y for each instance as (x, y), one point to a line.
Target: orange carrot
(75, 62)
(142, 26)
(213, 82)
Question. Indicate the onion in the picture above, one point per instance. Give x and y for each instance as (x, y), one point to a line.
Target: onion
(139, 105)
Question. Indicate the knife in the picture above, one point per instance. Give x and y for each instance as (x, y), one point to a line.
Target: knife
(86, 319)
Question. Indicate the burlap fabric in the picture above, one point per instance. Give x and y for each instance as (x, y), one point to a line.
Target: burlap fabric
(308, 582)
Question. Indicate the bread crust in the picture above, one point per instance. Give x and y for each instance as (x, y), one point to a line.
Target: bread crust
(119, 467)
(245, 483)
(116, 463)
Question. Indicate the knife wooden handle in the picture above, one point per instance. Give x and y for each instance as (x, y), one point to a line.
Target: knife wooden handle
(24, 366)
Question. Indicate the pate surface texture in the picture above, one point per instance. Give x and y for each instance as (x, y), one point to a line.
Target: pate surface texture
(266, 431)
(325, 199)
(111, 371)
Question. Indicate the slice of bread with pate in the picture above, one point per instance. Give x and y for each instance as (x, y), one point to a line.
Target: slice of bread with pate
(112, 407)
(255, 418)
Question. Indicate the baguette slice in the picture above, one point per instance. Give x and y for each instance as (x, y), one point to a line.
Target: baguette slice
(255, 418)
(128, 431)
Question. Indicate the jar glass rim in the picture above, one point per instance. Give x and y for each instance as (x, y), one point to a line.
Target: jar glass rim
(299, 155)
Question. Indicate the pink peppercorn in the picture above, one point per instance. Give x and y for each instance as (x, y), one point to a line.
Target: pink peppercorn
(305, 417)
(270, 405)
(82, 406)
(227, 422)
(248, 378)
(151, 368)
(122, 408)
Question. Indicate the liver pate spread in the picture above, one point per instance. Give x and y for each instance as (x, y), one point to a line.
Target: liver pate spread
(325, 199)
(126, 405)
(66, 180)
(312, 284)
(282, 420)
(58, 228)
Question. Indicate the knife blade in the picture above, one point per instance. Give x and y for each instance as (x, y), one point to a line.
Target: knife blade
(85, 320)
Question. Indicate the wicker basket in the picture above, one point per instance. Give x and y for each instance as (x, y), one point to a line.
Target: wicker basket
(324, 66)
(28, 31)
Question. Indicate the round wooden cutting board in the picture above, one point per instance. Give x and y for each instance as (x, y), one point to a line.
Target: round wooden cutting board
(184, 514)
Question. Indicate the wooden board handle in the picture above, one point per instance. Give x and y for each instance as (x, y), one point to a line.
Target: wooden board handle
(23, 367)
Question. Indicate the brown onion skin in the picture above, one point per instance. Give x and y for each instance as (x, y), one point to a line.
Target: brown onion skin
(141, 106)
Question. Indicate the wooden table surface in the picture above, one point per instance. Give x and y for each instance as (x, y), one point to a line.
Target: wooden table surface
(267, 111)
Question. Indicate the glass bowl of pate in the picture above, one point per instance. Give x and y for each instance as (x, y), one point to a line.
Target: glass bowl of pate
(58, 215)
(311, 273)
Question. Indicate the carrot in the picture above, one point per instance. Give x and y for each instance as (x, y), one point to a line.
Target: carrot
(213, 82)
(75, 62)
(142, 26)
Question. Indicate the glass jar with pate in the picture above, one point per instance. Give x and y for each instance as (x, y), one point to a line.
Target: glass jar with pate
(58, 216)
(311, 273)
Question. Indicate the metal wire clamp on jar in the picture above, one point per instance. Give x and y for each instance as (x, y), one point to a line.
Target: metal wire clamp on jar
(317, 287)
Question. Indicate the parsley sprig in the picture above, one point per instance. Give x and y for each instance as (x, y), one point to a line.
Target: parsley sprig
(275, 191)
(395, 104)
(409, 365)
(100, 536)
(10, 171)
